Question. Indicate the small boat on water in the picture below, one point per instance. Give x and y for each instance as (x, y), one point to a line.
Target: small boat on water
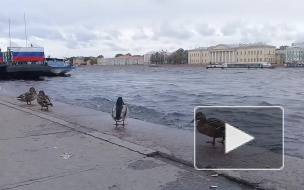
(245, 65)
(58, 66)
(293, 65)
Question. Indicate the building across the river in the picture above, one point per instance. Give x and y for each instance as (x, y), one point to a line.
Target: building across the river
(232, 53)
(295, 53)
(121, 60)
(147, 56)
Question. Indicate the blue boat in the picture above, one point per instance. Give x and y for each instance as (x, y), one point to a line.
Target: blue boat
(58, 66)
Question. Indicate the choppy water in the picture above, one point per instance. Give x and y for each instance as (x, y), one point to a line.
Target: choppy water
(168, 95)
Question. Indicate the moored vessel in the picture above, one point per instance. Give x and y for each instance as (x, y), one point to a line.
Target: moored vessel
(25, 62)
(294, 65)
(245, 65)
(58, 66)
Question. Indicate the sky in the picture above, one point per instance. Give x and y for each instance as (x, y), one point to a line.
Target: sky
(67, 28)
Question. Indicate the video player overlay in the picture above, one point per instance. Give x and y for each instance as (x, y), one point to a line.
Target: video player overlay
(238, 138)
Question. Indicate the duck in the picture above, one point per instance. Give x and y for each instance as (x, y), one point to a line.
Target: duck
(211, 127)
(120, 112)
(43, 100)
(28, 97)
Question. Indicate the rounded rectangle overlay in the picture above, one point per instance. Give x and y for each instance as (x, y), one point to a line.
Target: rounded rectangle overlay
(238, 137)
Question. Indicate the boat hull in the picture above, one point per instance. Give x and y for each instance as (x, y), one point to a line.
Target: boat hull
(60, 70)
(27, 71)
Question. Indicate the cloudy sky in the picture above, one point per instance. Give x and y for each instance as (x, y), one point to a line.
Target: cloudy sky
(68, 28)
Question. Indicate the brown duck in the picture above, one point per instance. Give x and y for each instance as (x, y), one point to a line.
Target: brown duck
(211, 127)
(28, 97)
(43, 100)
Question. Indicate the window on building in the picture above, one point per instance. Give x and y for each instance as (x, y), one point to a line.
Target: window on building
(253, 59)
(251, 52)
(254, 52)
(261, 52)
(237, 53)
(244, 60)
(241, 60)
(260, 59)
(241, 53)
(244, 52)
(248, 52)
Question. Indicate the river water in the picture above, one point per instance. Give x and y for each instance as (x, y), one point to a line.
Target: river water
(168, 95)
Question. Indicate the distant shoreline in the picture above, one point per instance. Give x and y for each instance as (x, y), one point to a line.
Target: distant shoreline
(169, 65)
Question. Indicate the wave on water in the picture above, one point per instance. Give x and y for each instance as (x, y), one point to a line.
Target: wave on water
(264, 103)
(136, 111)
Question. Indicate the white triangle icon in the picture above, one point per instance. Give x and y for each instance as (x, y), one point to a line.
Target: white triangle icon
(235, 138)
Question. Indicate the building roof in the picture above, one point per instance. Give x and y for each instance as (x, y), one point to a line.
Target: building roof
(260, 44)
(200, 48)
(298, 44)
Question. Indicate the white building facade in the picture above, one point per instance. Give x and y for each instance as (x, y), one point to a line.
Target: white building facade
(295, 53)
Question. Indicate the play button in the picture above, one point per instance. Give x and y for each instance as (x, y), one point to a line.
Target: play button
(238, 138)
(235, 138)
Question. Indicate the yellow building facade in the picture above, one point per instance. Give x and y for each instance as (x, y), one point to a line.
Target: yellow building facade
(230, 53)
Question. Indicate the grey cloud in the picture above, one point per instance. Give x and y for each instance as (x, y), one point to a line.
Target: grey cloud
(115, 47)
(140, 35)
(271, 33)
(112, 34)
(137, 49)
(255, 34)
(85, 36)
(169, 31)
(205, 30)
(232, 28)
(73, 44)
(299, 37)
(80, 39)
(45, 33)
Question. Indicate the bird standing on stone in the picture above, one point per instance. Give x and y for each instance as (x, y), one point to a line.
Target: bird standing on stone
(43, 100)
(28, 97)
(120, 112)
(211, 127)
